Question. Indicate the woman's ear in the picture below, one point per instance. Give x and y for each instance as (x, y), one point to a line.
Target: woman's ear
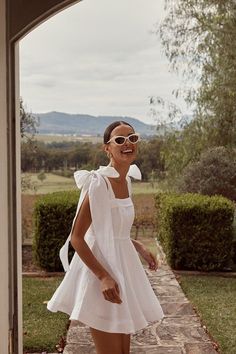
(105, 148)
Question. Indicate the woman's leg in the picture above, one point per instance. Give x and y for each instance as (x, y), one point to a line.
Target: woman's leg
(110, 343)
(126, 343)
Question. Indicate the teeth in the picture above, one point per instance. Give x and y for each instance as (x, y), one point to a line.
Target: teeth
(125, 151)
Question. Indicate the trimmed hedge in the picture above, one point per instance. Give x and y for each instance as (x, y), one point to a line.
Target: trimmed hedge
(53, 216)
(195, 231)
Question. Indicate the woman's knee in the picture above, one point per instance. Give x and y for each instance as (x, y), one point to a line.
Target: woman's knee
(107, 343)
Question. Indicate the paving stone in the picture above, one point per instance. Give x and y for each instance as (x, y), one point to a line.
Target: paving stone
(156, 350)
(79, 349)
(179, 332)
(177, 308)
(199, 348)
(85, 337)
(181, 320)
(179, 298)
(167, 290)
(162, 281)
(145, 337)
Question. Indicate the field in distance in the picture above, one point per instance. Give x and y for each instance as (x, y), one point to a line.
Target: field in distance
(58, 138)
(54, 183)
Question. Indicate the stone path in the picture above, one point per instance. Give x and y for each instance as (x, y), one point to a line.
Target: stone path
(179, 332)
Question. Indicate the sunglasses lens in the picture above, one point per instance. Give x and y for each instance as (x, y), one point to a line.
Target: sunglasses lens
(120, 140)
(133, 138)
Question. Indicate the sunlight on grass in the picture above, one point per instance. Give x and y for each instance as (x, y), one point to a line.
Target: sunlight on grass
(214, 298)
(42, 329)
(54, 183)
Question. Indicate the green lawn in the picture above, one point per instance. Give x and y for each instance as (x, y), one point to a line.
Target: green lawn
(54, 183)
(47, 139)
(214, 298)
(42, 329)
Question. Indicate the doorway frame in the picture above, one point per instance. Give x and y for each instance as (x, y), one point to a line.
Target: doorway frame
(17, 19)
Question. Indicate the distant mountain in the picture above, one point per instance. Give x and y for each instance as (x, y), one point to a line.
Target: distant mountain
(82, 124)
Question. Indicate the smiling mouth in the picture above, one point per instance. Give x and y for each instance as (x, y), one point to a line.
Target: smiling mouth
(127, 151)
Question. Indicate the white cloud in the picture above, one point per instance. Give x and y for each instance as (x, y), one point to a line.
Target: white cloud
(97, 57)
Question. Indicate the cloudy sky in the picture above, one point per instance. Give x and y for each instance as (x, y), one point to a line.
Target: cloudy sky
(99, 58)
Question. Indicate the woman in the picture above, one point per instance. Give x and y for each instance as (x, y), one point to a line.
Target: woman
(105, 286)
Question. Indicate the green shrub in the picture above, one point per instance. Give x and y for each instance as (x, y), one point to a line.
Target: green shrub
(214, 173)
(234, 238)
(234, 251)
(195, 231)
(53, 216)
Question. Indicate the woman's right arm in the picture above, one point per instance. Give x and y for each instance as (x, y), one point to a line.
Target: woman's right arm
(109, 286)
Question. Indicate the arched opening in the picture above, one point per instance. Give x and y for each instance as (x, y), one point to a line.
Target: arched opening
(21, 18)
(42, 46)
(16, 19)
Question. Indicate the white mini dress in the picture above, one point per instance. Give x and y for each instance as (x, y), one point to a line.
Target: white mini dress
(79, 294)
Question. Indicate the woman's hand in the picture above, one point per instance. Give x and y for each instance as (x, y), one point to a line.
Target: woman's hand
(146, 255)
(149, 258)
(110, 290)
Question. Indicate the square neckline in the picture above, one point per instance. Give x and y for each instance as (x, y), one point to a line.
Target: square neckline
(112, 191)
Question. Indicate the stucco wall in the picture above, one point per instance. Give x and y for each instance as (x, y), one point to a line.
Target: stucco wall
(17, 17)
(26, 14)
(4, 295)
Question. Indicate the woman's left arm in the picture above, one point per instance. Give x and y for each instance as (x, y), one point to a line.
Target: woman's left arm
(146, 254)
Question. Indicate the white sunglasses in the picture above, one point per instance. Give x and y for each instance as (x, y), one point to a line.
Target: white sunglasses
(120, 140)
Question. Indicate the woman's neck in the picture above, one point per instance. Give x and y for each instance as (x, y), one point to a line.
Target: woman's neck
(121, 169)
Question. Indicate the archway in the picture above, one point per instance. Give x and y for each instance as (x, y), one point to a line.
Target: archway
(17, 18)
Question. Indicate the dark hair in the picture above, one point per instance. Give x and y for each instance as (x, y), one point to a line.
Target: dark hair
(111, 127)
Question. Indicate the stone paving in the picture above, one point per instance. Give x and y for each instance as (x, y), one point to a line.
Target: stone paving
(179, 332)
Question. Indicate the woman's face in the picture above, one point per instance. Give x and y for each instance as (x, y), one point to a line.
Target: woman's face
(122, 153)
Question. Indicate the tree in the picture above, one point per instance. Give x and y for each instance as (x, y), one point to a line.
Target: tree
(199, 39)
(214, 173)
(149, 158)
(41, 176)
(28, 123)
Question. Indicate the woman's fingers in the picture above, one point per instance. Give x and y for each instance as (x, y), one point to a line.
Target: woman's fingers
(152, 263)
(105, 294)
(112, 295)
(116, 296)
(150, 259)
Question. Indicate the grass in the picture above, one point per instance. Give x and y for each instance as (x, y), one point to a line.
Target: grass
(214, 299)
(54, 183)
(68, 138)
(42, 329)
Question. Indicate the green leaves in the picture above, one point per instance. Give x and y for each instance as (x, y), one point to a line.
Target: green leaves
(214, 173)
(53, 216)
(195, 230)
(199, 39)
